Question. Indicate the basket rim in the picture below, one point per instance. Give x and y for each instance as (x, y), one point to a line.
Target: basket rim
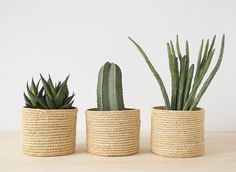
(50, 110)
(161, 108)
(112, 111)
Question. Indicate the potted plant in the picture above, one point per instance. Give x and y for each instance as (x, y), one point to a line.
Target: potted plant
(177, 129)
(112, 129)
(48, 119)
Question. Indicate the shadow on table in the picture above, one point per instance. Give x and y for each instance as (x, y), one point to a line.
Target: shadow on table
(216, 146)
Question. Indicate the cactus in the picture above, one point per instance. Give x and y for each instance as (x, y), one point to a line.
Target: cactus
(49, 96)
(109, 88)
(185, 84)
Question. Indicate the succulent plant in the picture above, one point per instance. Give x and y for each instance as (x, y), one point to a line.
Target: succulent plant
(49, 96)
(109, 88)
(185, 94)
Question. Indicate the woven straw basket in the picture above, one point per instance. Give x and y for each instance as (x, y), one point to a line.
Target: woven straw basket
(113, 133)
(177, 134)
(48, 132)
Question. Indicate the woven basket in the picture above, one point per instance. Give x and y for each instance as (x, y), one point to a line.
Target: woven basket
(48, 132)
(113, 133)
(177, 134)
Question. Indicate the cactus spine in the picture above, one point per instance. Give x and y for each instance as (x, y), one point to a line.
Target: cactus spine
(109, 88)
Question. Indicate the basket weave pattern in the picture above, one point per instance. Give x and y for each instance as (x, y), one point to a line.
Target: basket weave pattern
(113, 133)
(48, 132)
(177, 134)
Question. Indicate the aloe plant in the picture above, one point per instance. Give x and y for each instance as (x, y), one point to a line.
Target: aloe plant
(109, 88)
(49, 96)
(185, 91)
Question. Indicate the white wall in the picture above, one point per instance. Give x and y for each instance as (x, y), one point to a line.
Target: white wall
(77, 37)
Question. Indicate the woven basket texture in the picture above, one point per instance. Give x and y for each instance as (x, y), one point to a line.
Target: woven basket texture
(113, 133)
(48, 132)
(177, 134)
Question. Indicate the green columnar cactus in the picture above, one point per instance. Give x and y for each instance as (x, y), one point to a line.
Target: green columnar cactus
(50, 96)
(109, 88)
(185, 84)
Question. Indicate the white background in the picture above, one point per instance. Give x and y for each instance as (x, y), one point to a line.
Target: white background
(77, 37)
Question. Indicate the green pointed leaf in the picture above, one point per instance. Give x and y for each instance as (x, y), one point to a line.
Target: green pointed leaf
(155, 73)
(50, 104)
(61, 93)
(57, 87)
(52, 88)
(68, 99)
(33, 88)
(41, 102)
(47, 88)
(67, 106)
(40, 93)
(177, 47)
(31, 96)
(27, 100)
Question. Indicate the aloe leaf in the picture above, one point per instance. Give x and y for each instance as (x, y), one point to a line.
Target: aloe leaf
(67, 92)
(52, 88)
(40, 93)
(46, 87)
(155, 73)
(210, 77)
(50, 104)
(207, 57)
(181, 83)
(38, 84)
(199, 61)
(178, 47)
(68, 99)
(174, 77)
(41, 102)
(33, 88)
(27, 101)
(212, 44)
(205, 54)
(31, 96)
(172, 49)
(36, 99)
(57, 87)
(67, 106)
(61, 93)
(188, 83)
(187, 58)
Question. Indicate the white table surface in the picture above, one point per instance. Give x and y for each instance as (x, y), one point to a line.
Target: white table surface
(220, 157)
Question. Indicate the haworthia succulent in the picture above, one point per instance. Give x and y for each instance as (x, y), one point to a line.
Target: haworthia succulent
(49, 96)
(183, 78)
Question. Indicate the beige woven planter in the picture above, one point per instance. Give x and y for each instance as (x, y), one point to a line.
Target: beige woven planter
(48, 132)
(178, 134)
(113, 133)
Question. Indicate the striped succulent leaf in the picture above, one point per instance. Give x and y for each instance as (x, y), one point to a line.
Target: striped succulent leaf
(49, 96)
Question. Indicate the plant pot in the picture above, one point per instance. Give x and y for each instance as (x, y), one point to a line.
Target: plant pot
(113, 133)
(48, 132)
(177, 134)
